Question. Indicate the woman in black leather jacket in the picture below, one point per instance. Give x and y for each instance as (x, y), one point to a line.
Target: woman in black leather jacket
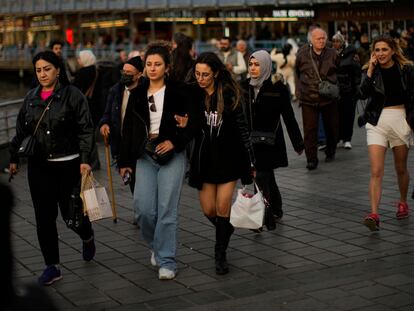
(63, 145)
(222, 148)
(388, 84)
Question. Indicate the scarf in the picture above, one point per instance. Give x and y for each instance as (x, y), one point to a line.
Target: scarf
(87, 58)
(263, 57)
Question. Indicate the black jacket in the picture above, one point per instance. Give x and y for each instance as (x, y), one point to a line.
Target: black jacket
(64, 130)
(235, 137)
(263, 114)
(373, 90)
(137, 122)
(348, 72)
(112, 117)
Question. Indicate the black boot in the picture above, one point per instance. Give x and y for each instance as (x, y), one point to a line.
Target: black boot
(213, 220)
(224, 230)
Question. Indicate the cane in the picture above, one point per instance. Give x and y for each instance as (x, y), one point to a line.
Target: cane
(108, 169)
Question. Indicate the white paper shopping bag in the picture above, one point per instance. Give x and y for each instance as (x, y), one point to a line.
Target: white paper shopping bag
(95, 199)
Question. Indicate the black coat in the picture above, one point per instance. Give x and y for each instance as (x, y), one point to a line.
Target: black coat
(233, 151)
(84, 79)
(65, 129)
(263, 114)
(348, 72)
(137, 123)
(373, 90)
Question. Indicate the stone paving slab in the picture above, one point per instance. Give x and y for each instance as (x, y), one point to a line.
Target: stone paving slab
(320, 257)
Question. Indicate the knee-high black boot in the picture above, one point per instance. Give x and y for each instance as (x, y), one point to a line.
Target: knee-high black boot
(224, 230)
(213, 220)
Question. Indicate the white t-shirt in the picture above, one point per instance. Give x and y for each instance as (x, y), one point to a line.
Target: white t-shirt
(124, 105)
(155, 117)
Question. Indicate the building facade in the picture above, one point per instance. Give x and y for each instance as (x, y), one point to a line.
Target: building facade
(132, 23)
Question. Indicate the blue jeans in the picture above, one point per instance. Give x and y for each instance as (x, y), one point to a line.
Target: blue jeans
(156, 196)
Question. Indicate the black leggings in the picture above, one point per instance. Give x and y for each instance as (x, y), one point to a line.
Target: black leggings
(266, 181)
(51, 184)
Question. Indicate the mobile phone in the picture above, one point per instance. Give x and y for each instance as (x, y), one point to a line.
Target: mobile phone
(127, 178)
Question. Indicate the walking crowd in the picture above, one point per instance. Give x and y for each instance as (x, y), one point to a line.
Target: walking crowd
(221, 113)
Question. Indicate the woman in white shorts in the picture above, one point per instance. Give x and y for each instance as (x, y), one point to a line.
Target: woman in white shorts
(388, 84)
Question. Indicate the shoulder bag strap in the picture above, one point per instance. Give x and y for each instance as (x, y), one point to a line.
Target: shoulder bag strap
(89, 91)
(250, 109)
(313, 63)
(41, 117)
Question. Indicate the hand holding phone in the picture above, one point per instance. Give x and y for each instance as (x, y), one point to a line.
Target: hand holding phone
(373, 61)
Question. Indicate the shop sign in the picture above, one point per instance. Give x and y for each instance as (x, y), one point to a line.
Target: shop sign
(293, 13)
(43, 23)
(358, 14)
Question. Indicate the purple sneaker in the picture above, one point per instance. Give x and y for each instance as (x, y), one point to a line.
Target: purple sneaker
(50, 274)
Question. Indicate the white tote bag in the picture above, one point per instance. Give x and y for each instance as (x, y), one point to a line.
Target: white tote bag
(248, 210)
(95, 199)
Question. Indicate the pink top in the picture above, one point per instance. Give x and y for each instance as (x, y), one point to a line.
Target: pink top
(45, 94)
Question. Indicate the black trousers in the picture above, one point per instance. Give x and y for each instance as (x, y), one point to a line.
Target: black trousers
(266, 181)
(310, 117)
(51, 184)
(347, 106)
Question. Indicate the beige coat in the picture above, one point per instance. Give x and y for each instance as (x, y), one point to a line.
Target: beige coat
(288, 70)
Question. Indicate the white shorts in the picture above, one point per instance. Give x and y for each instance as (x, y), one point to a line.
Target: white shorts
(392, 129)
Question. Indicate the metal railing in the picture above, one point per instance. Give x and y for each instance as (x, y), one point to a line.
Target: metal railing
(8, 114)
(25, 54)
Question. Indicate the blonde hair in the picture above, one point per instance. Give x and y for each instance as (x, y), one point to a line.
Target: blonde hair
(398, 56)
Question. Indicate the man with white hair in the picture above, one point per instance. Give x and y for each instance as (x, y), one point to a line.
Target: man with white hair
(317, 54)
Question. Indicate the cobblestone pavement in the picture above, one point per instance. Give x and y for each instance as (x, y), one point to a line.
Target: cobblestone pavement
(320, 257)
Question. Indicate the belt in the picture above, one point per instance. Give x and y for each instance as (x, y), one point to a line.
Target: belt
(153, 136)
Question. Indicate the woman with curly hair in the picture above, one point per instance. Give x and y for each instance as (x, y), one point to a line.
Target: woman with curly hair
(388, 84)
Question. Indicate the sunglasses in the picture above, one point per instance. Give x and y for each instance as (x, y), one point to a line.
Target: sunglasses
(152, 107)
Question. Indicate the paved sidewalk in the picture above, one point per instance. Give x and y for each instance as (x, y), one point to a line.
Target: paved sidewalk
(320, 257)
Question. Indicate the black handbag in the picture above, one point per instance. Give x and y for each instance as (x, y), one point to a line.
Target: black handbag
(161, 159)
(28, 146)
(326, 88)
(74, 216)
(264, 138)
(261, 137)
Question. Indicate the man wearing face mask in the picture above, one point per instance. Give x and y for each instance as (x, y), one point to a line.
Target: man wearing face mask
(111, 122)
(232, 58)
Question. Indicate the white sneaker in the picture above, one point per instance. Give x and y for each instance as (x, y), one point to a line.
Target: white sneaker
(153, 261)
(340, 144)
(166, 274)
(322, 147)
(347, 145)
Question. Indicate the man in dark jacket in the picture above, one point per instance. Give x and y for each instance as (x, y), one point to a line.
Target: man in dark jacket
(349, 78)
(307, 91)
(111, 122)
(117, 101)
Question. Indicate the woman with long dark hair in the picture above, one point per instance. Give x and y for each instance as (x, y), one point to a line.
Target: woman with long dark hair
(152, 142)
(223, 152)
(64, 139)
(388, 84)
